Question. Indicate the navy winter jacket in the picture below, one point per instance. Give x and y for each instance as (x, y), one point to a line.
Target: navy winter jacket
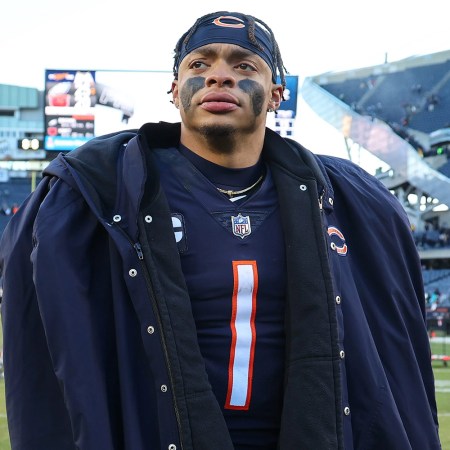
(100, 348)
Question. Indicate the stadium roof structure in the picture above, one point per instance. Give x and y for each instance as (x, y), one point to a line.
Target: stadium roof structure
(391, 110)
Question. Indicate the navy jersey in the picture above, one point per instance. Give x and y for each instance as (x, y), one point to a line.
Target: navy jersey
(233, 259)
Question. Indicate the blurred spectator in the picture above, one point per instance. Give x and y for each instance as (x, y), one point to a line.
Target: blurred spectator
(432, 101)
(432, 237)
(6, 210)
(434, 299)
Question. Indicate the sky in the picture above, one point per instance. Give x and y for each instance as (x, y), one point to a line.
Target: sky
(319, 36)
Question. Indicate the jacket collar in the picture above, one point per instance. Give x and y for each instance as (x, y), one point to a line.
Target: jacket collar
(287, 152)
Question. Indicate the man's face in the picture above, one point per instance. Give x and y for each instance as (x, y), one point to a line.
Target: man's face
(224, 87)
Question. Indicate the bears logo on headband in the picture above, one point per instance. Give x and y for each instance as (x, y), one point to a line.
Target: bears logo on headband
(229, 28)
(219, 22)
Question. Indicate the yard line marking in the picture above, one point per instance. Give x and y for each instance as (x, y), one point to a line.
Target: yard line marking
(442, 386)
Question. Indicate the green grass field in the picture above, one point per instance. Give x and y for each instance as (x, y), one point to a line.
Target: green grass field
(4, 436)
(442, 382)
(442, 376)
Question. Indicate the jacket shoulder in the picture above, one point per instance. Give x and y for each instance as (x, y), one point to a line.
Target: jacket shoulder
(343, 172)
(351, 182)
(100, 151)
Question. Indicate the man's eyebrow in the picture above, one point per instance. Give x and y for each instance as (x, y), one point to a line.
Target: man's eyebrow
(235, 53)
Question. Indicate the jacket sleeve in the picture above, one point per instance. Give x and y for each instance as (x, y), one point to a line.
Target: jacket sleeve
(60, 355)
(37, 417)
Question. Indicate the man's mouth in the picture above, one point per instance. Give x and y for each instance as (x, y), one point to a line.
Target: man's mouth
(219, 102)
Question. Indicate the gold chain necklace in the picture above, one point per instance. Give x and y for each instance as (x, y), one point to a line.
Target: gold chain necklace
(231, 193)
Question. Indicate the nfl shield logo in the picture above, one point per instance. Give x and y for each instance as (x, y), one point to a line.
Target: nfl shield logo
(241, 225)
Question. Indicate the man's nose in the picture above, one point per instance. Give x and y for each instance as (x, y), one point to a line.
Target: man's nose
(221, 74)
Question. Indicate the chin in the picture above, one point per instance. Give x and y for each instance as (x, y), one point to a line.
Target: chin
(220, 137)
(217, 130)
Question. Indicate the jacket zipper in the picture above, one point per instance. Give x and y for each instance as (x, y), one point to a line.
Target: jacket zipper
(321, 200)
(138, 248)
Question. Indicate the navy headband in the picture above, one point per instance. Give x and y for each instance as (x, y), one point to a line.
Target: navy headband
(231, 28)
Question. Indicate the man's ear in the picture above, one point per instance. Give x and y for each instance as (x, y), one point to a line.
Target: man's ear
(277, 96)
(174, 90)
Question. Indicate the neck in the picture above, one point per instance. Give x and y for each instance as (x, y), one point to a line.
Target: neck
(239, 152)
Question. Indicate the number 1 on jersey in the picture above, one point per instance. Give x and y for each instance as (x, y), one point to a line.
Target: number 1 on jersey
(243, 335)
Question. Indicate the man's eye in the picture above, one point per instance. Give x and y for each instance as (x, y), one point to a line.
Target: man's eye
(197, 65)
(246, 67)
